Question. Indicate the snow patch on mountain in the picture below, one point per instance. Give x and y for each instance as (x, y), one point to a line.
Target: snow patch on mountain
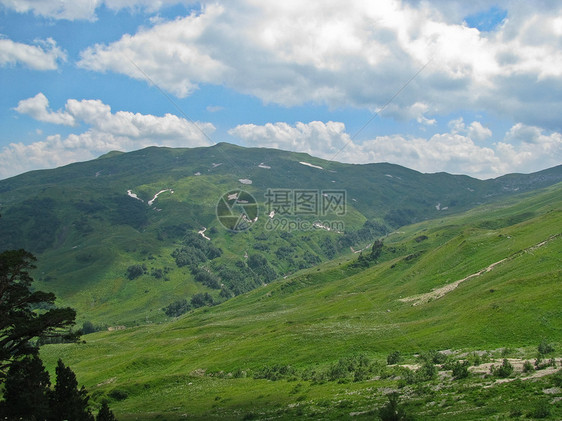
(308, 164)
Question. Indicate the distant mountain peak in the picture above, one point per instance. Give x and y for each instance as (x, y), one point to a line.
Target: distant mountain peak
(111, 154)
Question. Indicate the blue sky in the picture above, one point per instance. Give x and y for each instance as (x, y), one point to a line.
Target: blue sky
(465, 88)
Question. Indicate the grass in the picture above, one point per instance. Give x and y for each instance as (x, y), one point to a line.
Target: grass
(319, 315)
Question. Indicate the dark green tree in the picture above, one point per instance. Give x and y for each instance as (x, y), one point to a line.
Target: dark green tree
(261, 268)
(66, 400)
(376, 250)
(105, 414)
(26, 315)
(26, 391)
(361, 262)
(545, 348)
(392, 411)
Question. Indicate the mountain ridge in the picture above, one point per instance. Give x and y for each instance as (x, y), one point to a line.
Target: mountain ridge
(90, 222)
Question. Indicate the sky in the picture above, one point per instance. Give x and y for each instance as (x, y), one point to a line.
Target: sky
(464, 87)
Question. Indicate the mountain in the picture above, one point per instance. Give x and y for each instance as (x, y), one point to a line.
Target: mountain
(482, 286)
(126, 235)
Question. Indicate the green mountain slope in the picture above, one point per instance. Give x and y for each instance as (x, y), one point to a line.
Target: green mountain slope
(485, 279)
(89, 233)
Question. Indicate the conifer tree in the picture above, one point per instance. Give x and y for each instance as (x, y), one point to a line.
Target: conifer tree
(26, 390)
(105, 414)
(67, 401)
(26, 315)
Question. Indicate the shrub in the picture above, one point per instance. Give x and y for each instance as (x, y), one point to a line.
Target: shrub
(515, 413)
(207, 278)
(376, 250)
(504, 370)
(261, 268)
(177, 308)
(557, 378)
(275, 372)
(118, 395)
(134, 271)
(88, 327)
(435, 357)
(195, 250)
(539, 363)
(407, 377)
(392, 411)
(354, 367)
(460, 370)
(476, 359)
(545, 348)
(201, 300)
(528, 367)
(426, 372)
(542, 410)
(393, 358)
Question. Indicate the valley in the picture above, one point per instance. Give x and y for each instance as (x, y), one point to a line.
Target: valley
(434, 280)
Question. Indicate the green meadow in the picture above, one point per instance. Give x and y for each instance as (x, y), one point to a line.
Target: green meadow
(315, 344)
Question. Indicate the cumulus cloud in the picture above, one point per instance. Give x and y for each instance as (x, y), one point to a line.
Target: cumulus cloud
(121, 130)
(529, 146)
(475, 130)
(38, 108)
(314, 137)
(44, 55)
(172, 44)
(455, 151)
(478, 132)
(293, 53)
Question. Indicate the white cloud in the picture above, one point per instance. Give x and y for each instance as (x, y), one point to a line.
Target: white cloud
(107, 131)
(454, 152)
(529, 146)
(58, 9)
(99, 116)
(314, 137)
(293, 53)
(478, 132)
(38, 108)
(45, 55)
(84, 9)
(174, 44)
(475, 131)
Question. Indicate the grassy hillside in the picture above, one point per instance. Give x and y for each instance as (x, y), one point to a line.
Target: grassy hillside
(87, 231)
(315, 344)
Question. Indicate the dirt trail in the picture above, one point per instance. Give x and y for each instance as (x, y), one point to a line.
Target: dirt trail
(440, 292)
